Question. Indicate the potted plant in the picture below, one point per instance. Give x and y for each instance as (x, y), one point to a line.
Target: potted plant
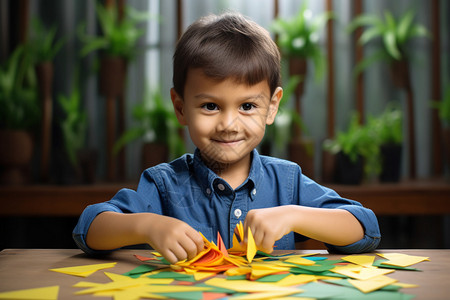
(157, 126)
(117, 45)
(82, 161)
(395, 35)
(357, 153)
(298, 40)
(19, 113)
(388, 129)
(44, 47)
(444, 114)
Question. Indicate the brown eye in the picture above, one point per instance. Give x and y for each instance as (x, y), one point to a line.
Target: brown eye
(210, 106)
(247, 106)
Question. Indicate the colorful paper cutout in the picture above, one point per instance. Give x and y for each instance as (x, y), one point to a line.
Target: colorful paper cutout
(43, 293)
(84, 271)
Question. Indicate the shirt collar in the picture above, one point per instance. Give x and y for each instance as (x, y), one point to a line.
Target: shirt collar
(206, 177)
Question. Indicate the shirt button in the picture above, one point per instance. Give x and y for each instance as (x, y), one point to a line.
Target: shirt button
(237, 213)
(208, 191)
(221, 187)
(254, 192)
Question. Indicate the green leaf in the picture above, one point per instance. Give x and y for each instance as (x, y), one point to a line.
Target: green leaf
(390, 43)
(370, 34)
(404, 27)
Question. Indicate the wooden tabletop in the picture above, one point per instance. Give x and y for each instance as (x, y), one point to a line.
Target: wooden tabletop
(29, 268)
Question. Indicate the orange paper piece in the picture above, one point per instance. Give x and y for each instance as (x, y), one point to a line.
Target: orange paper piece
(144, 258)
(221, 245)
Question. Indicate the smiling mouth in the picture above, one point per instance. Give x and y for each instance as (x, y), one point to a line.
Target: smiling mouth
(230, 143)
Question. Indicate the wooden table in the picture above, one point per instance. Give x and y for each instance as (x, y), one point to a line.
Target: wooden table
(29, 268)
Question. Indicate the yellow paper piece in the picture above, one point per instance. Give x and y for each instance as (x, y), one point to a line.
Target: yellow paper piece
(402, 260)
(361, 260)
(296, 280)
(84, 271)
(359, 272)
(251, 246)
(238, 271)
(85, 284)
(265, 295)
(44, 293)
(202, 275)
(406, 285)
(300, 261)
(373, 284)
(246, 286)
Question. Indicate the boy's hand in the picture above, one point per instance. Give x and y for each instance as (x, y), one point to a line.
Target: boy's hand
(268, 225)
(172, 238)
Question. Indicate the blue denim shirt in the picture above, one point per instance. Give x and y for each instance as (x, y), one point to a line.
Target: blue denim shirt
(188, 190)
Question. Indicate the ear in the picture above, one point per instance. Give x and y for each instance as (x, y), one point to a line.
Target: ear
(273, 105)
(178, 106)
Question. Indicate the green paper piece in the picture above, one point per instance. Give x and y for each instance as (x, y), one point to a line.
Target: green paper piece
(326, 291)
(326, 273)
(260, 253)
(378, 263)
(142, 269)
(197, 295)
(173, 275)
(272, 278)
(345, 282)
(317, 268)
(315, 258)
(215, 289)
(237, 277)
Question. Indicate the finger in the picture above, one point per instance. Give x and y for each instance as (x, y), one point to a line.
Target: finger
(258, 235)
(197, 238)
(169, 256)
(179, 252)
(267, 244)
(193, 245)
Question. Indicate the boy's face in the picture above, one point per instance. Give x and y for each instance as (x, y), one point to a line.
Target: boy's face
(226, 120)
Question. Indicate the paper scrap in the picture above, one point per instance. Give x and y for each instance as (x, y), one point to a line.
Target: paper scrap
(84, 271)
(43, 293)
(370, 285)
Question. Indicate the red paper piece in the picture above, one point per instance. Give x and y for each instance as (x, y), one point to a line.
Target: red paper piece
(213, 296)
(143, 258)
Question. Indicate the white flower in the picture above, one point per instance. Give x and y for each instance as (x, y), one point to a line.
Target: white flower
(298, 43)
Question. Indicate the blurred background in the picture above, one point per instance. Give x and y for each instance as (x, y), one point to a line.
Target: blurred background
(85, 106)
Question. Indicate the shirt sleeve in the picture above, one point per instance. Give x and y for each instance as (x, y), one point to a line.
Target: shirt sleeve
(313, 194)
(125, 201)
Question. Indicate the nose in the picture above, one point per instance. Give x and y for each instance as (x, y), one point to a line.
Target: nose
(229, 121)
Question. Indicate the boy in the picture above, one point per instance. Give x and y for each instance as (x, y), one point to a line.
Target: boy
(226, 90)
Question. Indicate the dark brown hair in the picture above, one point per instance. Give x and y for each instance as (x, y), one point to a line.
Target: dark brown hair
(227, 46)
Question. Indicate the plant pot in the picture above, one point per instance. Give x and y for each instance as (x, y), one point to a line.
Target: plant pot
(400, 73)
(16, 152)
(302, 153)
(446, 138)
(154, 154)
(87, 159)
(347, 171)
(391, 156)
(328, 166)
(44, 75)
(112, 76)
(298, 66)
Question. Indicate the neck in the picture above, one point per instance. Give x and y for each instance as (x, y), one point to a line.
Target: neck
(233, 173)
